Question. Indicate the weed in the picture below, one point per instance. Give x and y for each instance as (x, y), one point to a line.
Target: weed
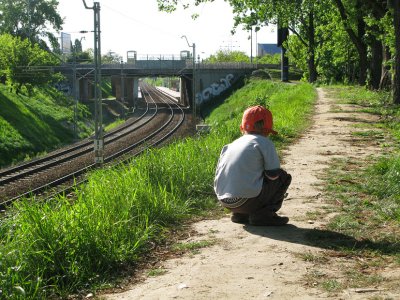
(331, 285)
(193, 247)
(311, 257)
(156, 272)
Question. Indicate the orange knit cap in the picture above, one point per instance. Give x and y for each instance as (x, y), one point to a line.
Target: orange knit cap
(254, 114)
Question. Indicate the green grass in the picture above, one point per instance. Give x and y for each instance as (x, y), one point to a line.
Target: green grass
(156, 272)
(294, 74)
(34, 124)
(63, 246)
(193, 247)
(365, 197)
(113, 125)
(370, 191)
(290, 106)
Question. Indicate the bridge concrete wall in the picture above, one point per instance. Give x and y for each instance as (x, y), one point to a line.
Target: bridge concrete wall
(185, 87)
(210, 79)
(85, 89)
(126, 89)
(211, 83)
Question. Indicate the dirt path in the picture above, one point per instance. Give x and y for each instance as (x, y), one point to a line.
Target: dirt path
(264, 262)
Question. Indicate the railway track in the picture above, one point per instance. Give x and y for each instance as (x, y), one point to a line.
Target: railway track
(153, 124)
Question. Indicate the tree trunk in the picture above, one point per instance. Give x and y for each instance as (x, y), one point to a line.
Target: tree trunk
(363, 51)
(312, 69)
(386, 78)
(283, 33)
(357, 39)
(376, 63)
(284, 65)
(363, 67)
(396, 80)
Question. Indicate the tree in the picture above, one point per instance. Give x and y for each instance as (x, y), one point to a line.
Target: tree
(304, 21)
(372, 26)
(380, 11)
(31, 19)
(79, 56)
(396, 22)
(24, 64)
(357, 21)
(77, 46)
(227, 56)
(111, 58)
(301, 17)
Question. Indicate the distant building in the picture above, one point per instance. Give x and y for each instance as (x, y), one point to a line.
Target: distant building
(263, 49)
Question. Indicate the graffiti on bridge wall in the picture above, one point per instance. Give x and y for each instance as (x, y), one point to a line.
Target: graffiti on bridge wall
(214, 89)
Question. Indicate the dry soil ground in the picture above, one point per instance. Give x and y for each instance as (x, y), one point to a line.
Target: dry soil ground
(249, 262)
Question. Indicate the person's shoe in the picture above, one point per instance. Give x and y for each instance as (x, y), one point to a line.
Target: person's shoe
(273, 220)
(240, 218)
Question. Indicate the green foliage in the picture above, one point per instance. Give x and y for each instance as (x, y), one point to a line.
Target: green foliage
(337, 58)
(273, 59)
(106, 88)
(227, 56)
(156, 81)
(60, 247)
(33, 20)
(298, 54)
(24, 64)
(85, 57)
(330, 41)
(111, 58)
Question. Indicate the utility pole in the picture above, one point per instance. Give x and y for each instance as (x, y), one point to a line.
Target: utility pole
(75, 87)
(98, 124)
(194, 76)
(122, 89)
(75, 91)
(251, 44)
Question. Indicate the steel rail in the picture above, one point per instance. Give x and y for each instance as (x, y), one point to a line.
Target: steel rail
(110, 158)
(58, 157)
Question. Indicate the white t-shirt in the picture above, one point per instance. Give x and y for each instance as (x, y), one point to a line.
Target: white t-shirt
(241, 165)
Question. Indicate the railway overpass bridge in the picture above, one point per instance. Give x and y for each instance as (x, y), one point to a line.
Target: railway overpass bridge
(204, 80)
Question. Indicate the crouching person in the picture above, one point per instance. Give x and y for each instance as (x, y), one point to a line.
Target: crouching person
(248, 179)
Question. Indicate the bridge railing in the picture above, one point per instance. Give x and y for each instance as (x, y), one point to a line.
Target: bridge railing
(159, 57)
(180, 64)
(160, 66)
(224, 65)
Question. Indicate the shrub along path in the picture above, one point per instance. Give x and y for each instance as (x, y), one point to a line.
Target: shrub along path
(297, 261)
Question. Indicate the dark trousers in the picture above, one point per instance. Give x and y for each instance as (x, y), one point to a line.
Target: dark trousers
(269, 200)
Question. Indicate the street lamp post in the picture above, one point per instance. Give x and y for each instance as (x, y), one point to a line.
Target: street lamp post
(194, 75)
(99, 137)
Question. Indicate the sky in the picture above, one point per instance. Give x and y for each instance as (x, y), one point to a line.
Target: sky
(137, 25)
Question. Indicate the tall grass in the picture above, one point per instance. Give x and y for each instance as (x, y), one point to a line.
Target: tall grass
(65, 246)
(290, 106)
